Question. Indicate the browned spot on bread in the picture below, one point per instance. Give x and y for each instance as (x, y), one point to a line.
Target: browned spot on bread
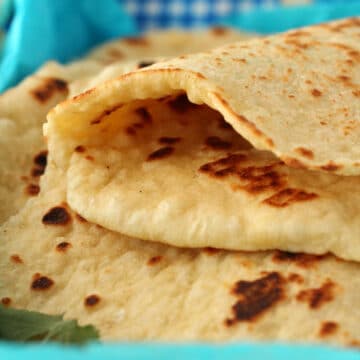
(89, 157)
(40, 162)
(143, 64)
(37, 171)
(257, 178)
(297, 43)
(105, 113)
(241, 60)
(57, 215)
(316, 92)
(92, 300)
(48, 88)
(41, 158)
(167, 140)
(328, 328)
(154, 260)
(115, 54)
(80, 149)
(80, 218)
(145, 119)
(160, 153)
(299, 259)
(32, 189)
(219, 30)
(40, 282)
(16, 259)
(6, 301)
(305, 152)
(136, 41)
(256, 297)
(181, 104)
(63, 246)
(144, 115)
(296, 278)
(317, 297)
(216, 143)
(261, 178)
(331, 166)
(298, 33)
(295, 163)
(289, 196)
(210, 250)
(323, 123)
(224, 166)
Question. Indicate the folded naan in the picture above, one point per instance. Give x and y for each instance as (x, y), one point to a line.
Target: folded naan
(251, 146)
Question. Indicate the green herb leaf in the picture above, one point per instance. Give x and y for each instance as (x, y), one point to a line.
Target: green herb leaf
(23, 325)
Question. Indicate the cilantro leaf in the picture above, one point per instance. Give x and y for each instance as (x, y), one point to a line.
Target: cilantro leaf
(23, 325)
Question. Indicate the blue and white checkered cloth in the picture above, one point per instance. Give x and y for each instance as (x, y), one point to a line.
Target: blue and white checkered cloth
(155, 14)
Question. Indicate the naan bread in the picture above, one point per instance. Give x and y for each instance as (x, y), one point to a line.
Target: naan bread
(53, 261)
(23, 109)
(142, 160)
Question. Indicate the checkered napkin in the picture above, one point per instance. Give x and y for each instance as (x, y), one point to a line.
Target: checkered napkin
(153, 14)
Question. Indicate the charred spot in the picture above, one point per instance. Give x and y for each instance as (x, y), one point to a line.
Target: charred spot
(57, 215)
(223, 166)
(328, 328)
(181, 104)
(331, 166)
(41, 159)
(105, 113)
(289, 196)
(261, 178)
(219, 30)
(6, 301)
(161, 153)
(316, 92)
(256, 297)
(305, 152)
(143, 64)
(299, 259)
(167, 140)
(16, 259)
(32, 189)
(295, 163)
(137, 41)
(144, 115)
(210, 250)
(296, 43)
(92, 300)
(317, 297)
(296, 278)
(63, 246)
(46, 90)
(37, 171)
(80, 149)
(214, 142)
(40, 282)
(154, 260)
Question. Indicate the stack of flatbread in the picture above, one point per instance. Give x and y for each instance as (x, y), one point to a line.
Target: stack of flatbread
(211, 196)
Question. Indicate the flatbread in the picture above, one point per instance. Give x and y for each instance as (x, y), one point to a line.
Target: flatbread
(54, 261)
(209, 187)
(21, 140)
